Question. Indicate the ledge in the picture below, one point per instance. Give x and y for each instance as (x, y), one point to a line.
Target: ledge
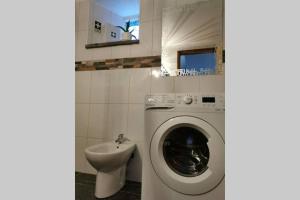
(109, 44)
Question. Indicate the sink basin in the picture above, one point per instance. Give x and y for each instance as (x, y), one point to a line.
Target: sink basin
(110, 160)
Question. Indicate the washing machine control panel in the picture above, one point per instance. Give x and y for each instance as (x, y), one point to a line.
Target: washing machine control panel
(209, 102)
(206, 101)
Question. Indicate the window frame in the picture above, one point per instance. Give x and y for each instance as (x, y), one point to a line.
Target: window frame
(195, 51)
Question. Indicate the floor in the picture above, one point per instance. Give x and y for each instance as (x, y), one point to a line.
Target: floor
(85, 187)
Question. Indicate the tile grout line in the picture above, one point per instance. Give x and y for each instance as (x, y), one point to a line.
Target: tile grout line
(150, 80)
(89, 111)
(129, 85)
(152, 24)
(108, 100)
(87, 129)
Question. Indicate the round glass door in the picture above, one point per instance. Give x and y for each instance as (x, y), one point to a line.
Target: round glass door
(186, 152)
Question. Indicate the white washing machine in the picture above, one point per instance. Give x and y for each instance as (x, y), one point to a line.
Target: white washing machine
(184, 147)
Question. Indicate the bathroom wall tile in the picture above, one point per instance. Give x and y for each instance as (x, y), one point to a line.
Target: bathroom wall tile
(185, 2)
(136, 122)
(76, 16)
(212, 83)
(117, 120)
(169, 3)
(186, 84)
(81, 40)
(141, 49)
(98, 121)
(76, 47)
(119, 86)
(88, 167)
(81, 0)
(120, 52)
(82, 87)
(83, 20)
(80, 160)
(157, 12)
(82, 54)
(100, 86)
(146, 33)
(157, 34)
(134, 168)
(139, 84)
(99, 53)
(146, 13)
(145, 46)
(82, 119)
(161, 84)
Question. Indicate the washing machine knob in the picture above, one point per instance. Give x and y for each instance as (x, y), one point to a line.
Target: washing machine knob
(151, 100)
(187, 99)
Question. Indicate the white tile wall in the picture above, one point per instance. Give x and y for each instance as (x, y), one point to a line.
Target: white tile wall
(157, 33)
(214, 83)
(82, 116)
(81, 53)
(117, 119)
(83, 19)
(99, 53)
(80, 161)
(147, 7)
(186, 84)
(161, 84)
(139, 84)
(77, 16)
(120, 52)
(121, 109)
(100, 86)
(136, 122)
(157, 12)
(169, 3)
(98, 121)
(119, 86)
(82, 87)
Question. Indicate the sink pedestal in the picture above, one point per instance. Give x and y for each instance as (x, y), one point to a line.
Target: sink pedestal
(109, 183)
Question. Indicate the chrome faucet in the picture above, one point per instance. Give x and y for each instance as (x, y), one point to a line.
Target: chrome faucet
(120, 139)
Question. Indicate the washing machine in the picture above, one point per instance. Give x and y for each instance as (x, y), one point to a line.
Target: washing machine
(184, 147)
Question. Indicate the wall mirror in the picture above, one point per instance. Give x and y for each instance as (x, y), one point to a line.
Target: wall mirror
(192, 37)
(113, 22)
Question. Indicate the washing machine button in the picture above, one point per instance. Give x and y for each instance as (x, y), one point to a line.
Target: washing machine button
(187, 99)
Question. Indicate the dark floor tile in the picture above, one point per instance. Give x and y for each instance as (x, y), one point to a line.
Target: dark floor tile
(132, 197)
(121, 195)
(85, 188)
(132, 187)
(84, 192)
(85, 178)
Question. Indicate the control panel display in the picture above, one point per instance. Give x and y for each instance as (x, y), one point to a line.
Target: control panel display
(208, 100)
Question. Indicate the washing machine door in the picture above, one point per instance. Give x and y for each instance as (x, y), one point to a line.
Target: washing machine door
(187, 154)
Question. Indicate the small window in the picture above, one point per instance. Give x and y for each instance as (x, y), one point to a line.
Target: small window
(202, 61)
